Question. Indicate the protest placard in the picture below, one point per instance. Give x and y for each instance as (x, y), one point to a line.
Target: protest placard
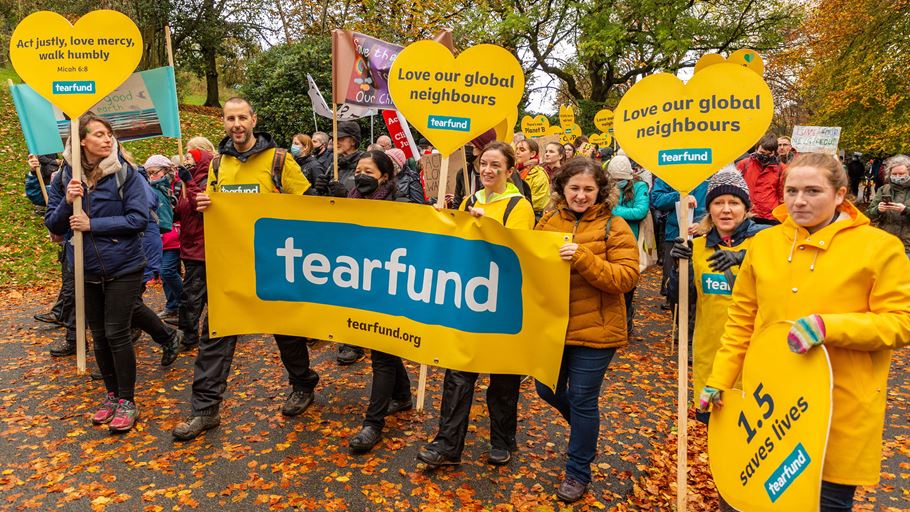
(431, 167)
(816, 139)
(535, 126)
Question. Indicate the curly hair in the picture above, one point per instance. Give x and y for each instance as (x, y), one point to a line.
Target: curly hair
(606, 191)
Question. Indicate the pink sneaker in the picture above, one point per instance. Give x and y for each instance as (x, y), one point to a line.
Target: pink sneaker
(105, 413)
(125, 416)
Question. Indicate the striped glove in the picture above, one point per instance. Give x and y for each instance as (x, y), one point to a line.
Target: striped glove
(709, 396)
(807, 332)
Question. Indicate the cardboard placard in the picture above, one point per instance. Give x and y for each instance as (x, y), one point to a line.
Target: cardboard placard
(431, 166)
(535, 126)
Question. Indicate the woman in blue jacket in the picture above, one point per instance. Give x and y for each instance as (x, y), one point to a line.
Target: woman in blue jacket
(116, 204)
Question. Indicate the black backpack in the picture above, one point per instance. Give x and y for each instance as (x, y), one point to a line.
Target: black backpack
(277, 168)
(513, 201)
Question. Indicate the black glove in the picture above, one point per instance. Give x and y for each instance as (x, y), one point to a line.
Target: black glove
(682, 249)
(722, 260)
(321, 184)
(184, 174)
(336, 189)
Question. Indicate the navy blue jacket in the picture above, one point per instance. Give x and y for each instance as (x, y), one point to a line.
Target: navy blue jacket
(113, 247)
(664, 198)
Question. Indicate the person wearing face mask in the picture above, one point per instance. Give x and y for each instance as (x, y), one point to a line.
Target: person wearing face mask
(763, 174)
(501, 201)
(322, 150)
(604, 259)
(890, 208)
(836, 281)
(302, 151)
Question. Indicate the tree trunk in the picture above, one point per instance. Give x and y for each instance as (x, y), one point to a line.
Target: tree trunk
(211, 79)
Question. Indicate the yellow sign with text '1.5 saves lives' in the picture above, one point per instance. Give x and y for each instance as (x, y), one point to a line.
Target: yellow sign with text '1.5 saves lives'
(75, 66)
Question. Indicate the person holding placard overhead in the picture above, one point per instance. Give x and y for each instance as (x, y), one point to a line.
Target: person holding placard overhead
(604, 258)
(839, 282)
(501, 201)
(115, 199)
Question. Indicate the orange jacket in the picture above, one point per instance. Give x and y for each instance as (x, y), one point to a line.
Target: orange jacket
(603, 269)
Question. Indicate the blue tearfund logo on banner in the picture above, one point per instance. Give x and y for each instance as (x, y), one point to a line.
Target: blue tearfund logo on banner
(470, 285)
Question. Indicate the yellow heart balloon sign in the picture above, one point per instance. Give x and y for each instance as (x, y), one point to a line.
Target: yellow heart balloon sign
(743, 57)
(568, 134)
(601, 139)
(603, 120)
(766, 445)
(535, 126)
(452, 101)
(75, 66)
(505, 129)
(683, 133)
(566, 116)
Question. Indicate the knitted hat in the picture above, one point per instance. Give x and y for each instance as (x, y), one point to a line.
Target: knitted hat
(158, 161)
(397, 157)
(620, 168)
(484, 138)
(728, 181)
(349, 129)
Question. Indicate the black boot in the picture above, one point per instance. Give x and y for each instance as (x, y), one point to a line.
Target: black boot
(65, 347)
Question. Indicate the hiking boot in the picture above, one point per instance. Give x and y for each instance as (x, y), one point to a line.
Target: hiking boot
(64, 348)
(399, 405)
(187, 343)
(571, 490)
(49, 318)
(499, 457)
(365, 440)
(170, 351)
(195, 425)
(125, 417)
(105, 413)
(349, 355)
(297, 403)
(429, 456)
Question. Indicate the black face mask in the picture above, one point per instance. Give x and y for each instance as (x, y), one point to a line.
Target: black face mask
(765, 159)
(366, 184)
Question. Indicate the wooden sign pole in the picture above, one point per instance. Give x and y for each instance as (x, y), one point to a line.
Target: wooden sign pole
(335, 138)
(170, 61)
(683, 383)
(78, 263)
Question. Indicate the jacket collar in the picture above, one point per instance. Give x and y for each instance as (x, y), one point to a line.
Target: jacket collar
(850, 217)
(263, 142)
(745, 230)
(598, 210)
(510, 191)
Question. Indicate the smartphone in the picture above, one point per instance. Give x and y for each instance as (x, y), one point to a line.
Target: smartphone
(886, 198)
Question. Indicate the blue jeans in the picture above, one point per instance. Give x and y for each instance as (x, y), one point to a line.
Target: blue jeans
(577, 392)
(170, 278)
(837, 497)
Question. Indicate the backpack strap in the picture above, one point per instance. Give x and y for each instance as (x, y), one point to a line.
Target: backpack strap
(513, 201)
(216, 163)
(607, 229)
(121, 177)
(278, 167)
(470, 203)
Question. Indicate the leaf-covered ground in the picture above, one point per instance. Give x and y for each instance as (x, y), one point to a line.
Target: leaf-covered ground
(54, 459)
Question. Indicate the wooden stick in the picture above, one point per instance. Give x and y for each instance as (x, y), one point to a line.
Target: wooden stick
(465, 173)
(170, 61)
(78, 263)
(334, 135)
(683, 383)
(673, 332)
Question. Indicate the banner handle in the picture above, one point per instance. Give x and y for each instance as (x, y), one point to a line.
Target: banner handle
(170, 61)
(683, 363)
(78, 263)
(334, 134)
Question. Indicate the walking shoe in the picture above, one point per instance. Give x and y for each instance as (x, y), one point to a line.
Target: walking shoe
(187, 344)
(49, 318)
(571, 490)
(399, 405)
(429, 456)
(105, 413)
(195, 425)
(499, 457)
(365, 440)
(170, 351)
(125, 417)
(168, 314)
(349, 355)
(64, 348)
(297, 403)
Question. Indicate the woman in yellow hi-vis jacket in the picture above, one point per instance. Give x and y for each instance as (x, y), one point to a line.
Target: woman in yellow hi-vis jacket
(840, 282)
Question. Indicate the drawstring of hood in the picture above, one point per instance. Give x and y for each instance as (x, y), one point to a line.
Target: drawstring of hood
(835, 218)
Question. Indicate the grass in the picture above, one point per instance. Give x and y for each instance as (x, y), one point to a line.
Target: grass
(27, 255)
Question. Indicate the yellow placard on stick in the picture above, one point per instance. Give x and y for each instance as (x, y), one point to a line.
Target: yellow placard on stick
(566, 116)
(440, 288)
(453, 100)
(603, 120)
(766, 445)
(536, 126)
(683, 133)
(75, 66)
(743, 57)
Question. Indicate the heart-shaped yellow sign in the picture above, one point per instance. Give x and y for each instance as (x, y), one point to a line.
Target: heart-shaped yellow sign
(555, 130)
(566, 116)
(742, 57)
(535, 126)
(766, 445)
(505, 129)
(601, 139)
(568, 134)
(75, 66)
(452, 101)
(683, 133)
(603, 120)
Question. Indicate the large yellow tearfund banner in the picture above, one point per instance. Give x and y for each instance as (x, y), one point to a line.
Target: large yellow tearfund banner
(440, 288)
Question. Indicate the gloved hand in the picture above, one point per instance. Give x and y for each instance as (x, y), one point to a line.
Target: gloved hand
(709, 397)
(321, 184)
(184, 174)
(807, 332)
(336, 189)
(722, 260)
(682, 249)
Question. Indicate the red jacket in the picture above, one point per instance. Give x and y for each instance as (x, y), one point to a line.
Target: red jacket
(766, 185)
(192, 235)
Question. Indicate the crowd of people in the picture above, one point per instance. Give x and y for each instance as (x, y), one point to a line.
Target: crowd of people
(776, 227)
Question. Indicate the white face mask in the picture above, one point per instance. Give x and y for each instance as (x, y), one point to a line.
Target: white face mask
(900, 180)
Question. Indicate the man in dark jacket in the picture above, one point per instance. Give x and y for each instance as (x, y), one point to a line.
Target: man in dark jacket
(245, 163)
(322, 150)
(348, 152)
(763, 174)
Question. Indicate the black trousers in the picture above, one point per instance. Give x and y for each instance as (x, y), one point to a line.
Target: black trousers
(67, 301)
(669, 262)
(108, 309)
(390, 381)
(213, 365)
(454, 416)
(192, 302)
(146, 320)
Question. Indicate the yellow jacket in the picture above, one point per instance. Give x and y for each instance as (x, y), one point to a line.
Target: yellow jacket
(255, 174)
(539, 183)
(494, 207)
(858, 279)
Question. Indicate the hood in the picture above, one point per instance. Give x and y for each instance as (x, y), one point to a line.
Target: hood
(747, 229)
(849, 217)
(263, 142)
(111, 164)
(201, 167)
(510, 191)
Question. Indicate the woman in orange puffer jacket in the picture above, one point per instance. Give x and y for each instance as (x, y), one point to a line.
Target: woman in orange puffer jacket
(604, 258)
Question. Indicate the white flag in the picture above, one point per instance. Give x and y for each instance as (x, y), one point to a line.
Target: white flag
(345, 112)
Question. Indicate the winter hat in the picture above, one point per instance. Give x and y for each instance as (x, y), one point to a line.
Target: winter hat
(620, 168)
(484, 138)
(197, 154)
(397, 156)
(158, 161)
(349, 129)
(728, 181)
